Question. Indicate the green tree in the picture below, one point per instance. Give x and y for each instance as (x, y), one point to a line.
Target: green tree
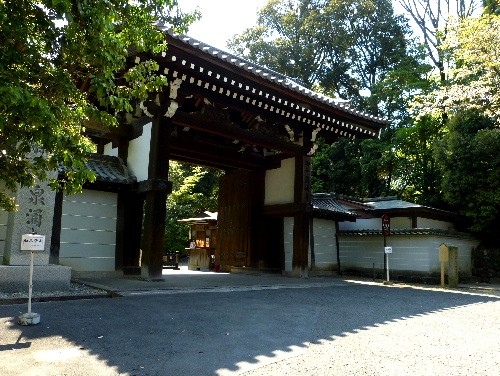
(474, 78)
(418, 175)
(432, 18)
(63, 64)
(340, 48)
(195, 190)
(471, 164)
(491, 7)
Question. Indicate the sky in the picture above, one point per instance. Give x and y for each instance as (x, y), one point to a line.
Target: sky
(221, 19)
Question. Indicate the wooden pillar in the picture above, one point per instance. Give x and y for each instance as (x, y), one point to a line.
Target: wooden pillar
(155, 190)
(55, 243)
(302, 198)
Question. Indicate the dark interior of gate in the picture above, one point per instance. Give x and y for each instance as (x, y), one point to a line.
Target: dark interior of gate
(224, 112)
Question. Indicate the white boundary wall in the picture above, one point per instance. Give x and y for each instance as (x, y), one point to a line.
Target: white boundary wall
(88, 231)
(325, 250)
(417, 253)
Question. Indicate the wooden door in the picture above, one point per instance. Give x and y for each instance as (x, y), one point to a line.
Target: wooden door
(240, 202)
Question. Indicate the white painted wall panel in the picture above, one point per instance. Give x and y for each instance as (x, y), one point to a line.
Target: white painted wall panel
(86, 208)
(434, 223)
(280, 183)
(362, 224)
(88, 231)
(84, 236)
(410, 253)
(398, 223)
(88, 250)
(138, 154)
(288, 242)
(94, 264)
(76, 221)
(110, 150)
(325, 250)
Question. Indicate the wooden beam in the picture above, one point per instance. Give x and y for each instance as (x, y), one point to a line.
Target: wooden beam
(198, 122)
(222, 156)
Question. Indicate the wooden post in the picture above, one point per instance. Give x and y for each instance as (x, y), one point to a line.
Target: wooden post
(302, 197)
(443, 259)
(453, 267)
(156, 189)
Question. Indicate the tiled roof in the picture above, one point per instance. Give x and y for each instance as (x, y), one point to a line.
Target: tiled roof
(109, 169)
(271, 76)
(409, 231)
(390, 203)
(393, 204)
(201, 218)
(327, 203)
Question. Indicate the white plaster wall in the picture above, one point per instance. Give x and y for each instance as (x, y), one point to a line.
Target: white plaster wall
(325, 250)
(288, 242)
(398, 223)
(361, 252)
(434, 223)
(109, 150)
(362, 224)
(88, 231)
(280, 183)
(410, 253)
(138, 154)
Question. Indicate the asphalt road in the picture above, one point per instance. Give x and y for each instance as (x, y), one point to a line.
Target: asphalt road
(339, 329)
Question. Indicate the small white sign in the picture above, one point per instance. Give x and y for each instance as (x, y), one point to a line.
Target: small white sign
(33, 243)
(388, 249)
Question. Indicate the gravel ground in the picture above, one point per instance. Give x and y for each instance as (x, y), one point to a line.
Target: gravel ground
(76, 289)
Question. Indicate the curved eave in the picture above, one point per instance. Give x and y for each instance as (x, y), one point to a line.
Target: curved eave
(262, 88)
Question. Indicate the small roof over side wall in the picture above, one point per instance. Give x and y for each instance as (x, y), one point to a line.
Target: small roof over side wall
(111, 173)
(326, 206)
(394, 207)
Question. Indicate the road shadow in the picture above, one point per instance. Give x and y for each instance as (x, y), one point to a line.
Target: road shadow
(218, 333)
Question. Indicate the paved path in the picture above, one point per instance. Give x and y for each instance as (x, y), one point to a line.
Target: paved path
(335, 328)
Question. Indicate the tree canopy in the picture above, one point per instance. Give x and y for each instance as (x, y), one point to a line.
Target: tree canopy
(341, 48)
(63, 64)
(474, 73)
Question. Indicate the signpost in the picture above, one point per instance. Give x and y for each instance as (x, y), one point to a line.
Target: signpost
(387, 251)
(31, 243)
(386, 231)
(386, 225)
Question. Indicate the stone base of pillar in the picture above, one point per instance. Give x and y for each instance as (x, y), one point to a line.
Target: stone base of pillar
(297, 272)
(15, 278)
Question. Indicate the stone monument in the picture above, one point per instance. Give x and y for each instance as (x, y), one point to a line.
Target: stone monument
(34, 216)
